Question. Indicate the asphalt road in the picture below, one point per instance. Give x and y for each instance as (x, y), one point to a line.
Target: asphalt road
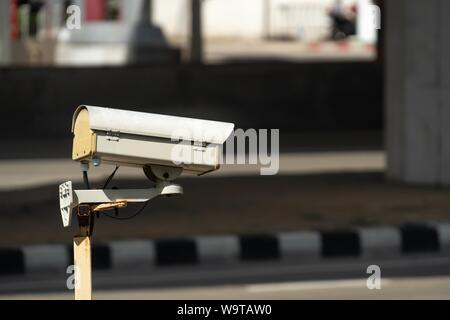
(424, 277)
(435, 288)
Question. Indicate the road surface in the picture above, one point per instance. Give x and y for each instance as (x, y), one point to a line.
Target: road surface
(409, 288)
(424, 277)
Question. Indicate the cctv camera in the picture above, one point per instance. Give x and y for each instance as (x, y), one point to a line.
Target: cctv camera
(164, 146)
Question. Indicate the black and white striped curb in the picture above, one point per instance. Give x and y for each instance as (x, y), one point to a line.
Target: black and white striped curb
(305, 245)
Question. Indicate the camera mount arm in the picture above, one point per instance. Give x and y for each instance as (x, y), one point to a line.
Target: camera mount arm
(100, 200)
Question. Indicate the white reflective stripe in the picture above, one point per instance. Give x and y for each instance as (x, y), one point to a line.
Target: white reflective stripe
(305, 244)
(443, 230)
(132, 254)
(45, 258)
(218, 249)
(383, 241)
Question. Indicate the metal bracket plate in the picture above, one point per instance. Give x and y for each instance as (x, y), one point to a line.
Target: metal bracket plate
(66, 202)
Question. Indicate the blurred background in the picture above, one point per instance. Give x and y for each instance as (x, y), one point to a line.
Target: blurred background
(358, 88)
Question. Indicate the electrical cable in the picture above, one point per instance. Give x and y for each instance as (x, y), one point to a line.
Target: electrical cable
(110, 177)
(129, 217)
(86, 180)
(108, 181)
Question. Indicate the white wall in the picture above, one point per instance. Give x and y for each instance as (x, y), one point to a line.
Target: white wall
(172, 16)
(221, 18)
(246, 18)
(234, 18)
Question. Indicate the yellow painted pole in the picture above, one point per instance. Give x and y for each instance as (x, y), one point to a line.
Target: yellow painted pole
(83, 271)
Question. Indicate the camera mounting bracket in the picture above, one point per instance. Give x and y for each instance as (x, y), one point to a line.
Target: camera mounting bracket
(70, 199)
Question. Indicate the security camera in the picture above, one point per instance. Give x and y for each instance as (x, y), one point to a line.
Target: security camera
(164, 146)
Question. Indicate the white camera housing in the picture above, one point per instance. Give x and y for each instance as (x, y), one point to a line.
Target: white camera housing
(137, 139)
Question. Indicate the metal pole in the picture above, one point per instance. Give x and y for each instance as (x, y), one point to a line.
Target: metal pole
(137, 11)
(146, 12)
(196, 49)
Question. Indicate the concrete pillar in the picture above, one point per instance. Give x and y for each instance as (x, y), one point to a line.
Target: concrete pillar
(5, 41)
(418, 91)
(444, 94)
